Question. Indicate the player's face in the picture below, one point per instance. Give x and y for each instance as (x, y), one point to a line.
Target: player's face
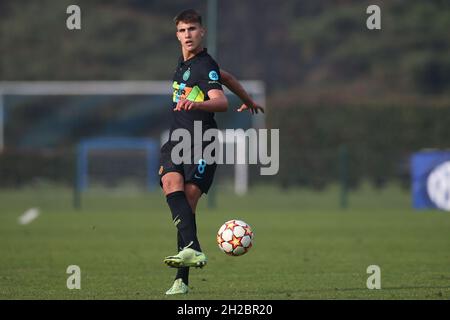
(190, 35)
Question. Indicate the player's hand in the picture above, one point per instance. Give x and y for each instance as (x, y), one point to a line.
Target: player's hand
(185, 105)
(253, 107)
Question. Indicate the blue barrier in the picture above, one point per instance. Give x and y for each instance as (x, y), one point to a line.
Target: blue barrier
(430, 175)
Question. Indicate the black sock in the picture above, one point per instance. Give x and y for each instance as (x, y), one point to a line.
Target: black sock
(183, 218)
(195, 224)
(182, 273)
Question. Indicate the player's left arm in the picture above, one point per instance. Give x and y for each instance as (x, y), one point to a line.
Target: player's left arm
(217, 103)
(229, 81)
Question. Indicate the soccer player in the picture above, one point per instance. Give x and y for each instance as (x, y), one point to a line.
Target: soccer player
(197, 95)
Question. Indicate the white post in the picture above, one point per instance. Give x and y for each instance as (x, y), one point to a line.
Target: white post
(241, 169)
(240, 179)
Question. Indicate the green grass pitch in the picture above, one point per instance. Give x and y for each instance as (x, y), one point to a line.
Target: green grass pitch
(305, 247)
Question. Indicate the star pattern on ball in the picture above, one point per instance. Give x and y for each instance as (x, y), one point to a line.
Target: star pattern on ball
(235, 242)
(230, 225)
(248, 231)
(219, 239)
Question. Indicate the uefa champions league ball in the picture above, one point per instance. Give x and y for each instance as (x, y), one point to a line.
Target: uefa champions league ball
(235, 237)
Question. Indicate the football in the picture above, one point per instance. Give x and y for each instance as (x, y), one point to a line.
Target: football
(235, 237)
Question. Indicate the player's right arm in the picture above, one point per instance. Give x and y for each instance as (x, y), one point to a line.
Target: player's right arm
(229, 81)
(209, 82)
(217, 103)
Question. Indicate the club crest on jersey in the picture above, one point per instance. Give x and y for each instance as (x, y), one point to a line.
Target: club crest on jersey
(213, 75)
(187, 74)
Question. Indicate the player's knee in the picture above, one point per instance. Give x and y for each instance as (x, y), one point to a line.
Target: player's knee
(172, 183)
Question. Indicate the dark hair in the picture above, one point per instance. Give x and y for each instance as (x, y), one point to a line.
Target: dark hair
(189, 15)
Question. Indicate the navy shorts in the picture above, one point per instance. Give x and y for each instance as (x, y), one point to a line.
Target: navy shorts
(200, 173)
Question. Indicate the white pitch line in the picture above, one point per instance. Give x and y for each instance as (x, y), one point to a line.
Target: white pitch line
(29, 216)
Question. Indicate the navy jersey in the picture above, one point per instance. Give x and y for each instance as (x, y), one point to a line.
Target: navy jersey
(192, 80)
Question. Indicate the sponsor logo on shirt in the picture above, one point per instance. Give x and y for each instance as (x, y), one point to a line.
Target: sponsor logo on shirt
(187, 74)
(213, 75)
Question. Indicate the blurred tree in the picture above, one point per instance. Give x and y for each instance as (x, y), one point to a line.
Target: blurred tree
(287, 44)
(409, 53)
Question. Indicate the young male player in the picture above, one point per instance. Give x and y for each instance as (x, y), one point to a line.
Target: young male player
(197, 95)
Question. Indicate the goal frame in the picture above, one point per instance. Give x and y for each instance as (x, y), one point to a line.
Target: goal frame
(255, 88)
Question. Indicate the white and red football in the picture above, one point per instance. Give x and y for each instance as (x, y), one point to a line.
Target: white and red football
(235, 237)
